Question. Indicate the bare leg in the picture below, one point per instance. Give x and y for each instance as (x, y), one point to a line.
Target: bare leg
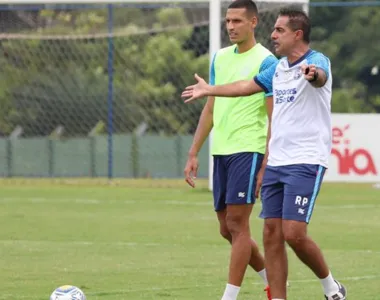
(237, 220)
(305, 248)
(276, 261)
(257, 260)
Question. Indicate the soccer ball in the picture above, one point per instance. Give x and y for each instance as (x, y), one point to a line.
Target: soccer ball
(67, 292)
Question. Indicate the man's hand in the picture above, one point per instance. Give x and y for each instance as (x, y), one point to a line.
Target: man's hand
(191, 170)
(259, 181)
(196, 91)
(310, 72)
(316, 76)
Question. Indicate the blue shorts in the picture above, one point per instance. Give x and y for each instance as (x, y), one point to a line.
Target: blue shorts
(289, 192)
(234, 179)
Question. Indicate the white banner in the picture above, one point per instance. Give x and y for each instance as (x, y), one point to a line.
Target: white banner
(355, 155)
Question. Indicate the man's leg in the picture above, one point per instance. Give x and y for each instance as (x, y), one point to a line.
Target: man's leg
(310, 254)
(276, 260)
(301, 190)
(219, 191)
(257, 260)
(276, 263)
(242, 169)
(237, 220)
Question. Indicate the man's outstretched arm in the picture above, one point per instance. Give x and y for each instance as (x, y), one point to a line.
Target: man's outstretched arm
(262, 82)
(235, 89)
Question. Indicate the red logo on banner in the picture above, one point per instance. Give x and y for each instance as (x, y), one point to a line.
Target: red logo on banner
(348, 158)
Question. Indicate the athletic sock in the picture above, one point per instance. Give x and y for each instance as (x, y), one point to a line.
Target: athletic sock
(263, 275)
(231, 292)
(330, 287)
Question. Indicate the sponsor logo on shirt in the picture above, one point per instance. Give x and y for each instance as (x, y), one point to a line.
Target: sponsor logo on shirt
(285, 95)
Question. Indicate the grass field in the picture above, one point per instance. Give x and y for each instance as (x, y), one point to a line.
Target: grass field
(139, 240)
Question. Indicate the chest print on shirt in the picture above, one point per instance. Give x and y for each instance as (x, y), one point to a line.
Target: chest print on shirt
(297, 73)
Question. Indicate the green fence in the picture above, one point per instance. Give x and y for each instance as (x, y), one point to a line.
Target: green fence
(147, 156)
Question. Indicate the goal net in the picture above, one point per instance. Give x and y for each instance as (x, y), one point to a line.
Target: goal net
(92, 88)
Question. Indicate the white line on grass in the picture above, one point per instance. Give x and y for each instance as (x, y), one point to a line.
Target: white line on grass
(363, 251)
(136, 244)
(176, 288)
(83, 243)
(348, 206)
(38, 200)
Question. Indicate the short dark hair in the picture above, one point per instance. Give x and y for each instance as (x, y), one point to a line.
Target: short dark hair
(298, 20)
(249, 5)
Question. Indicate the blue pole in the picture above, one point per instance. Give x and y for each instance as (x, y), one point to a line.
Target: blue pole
(110, 91)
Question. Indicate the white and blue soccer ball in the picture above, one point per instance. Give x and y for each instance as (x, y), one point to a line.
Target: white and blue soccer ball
(67, 292)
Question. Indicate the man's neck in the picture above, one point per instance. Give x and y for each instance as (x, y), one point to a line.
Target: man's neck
(297, 53)
(244, 47)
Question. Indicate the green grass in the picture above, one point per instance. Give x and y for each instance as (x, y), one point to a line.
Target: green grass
(137, 239)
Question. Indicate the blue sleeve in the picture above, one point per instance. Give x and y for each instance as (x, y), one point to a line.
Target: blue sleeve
(320, 61)
(267, 62)
(212, 71)
(265, 78)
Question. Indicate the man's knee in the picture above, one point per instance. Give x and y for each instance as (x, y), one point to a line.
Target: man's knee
(223, 229)
(235, 224)
(273, 231)
(224, 232)
(295, 233)
(237, 219)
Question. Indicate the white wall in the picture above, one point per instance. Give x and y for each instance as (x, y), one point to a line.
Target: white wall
(355, 155)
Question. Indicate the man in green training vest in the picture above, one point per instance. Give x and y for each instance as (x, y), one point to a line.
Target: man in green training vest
(239, 141)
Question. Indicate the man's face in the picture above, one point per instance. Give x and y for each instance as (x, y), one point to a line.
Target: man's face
(284, 38)
(239, 25)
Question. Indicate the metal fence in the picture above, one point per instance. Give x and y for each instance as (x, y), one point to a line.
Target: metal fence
(93, 90)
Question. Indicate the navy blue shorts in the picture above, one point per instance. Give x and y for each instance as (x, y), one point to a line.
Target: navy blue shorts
(289, 192)
(234, 179)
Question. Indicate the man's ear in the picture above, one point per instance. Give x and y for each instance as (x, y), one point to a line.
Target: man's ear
(254, 22)
(299, 34)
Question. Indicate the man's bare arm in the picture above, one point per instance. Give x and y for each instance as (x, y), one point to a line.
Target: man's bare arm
(269, 106)
(260, 175)
(204, 127)
(235, 89)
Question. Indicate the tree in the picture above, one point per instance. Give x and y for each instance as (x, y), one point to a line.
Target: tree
(349, 36)
(63, 79)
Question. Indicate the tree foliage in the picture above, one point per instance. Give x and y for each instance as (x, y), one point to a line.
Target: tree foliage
(350, 37)
(58, 72)
(50, 80)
